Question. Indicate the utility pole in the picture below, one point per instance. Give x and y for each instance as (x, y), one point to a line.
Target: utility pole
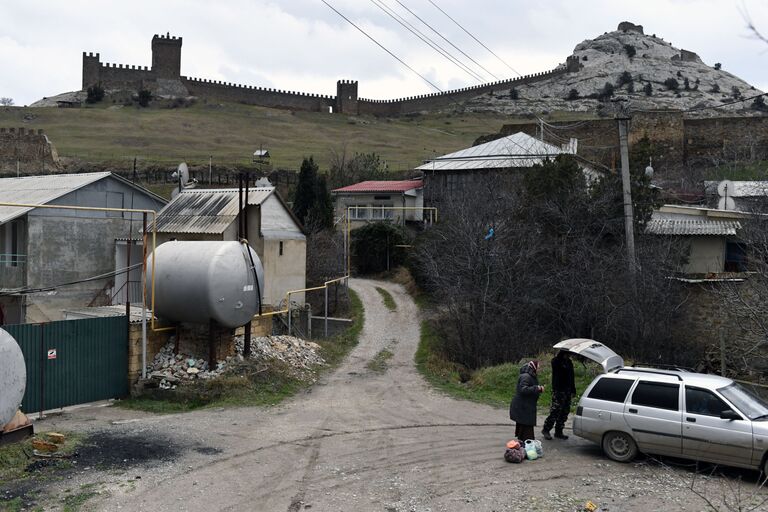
(623, 118)
(210, 172)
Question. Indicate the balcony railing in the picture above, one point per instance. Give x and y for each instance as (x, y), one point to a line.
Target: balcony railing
(12, 270)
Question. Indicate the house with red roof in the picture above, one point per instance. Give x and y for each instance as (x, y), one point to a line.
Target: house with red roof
(371, 201)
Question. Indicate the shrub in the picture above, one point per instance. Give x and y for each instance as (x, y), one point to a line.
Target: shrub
(718, 65)
(631, 87)
(686, 85)
(145, 96)
(624, 78)
(573, 94)
(735, 92)
(95, 94)
(630, 50)
(671, 84)
(648, 89)
(759, 104)
(715, 88)
(374, 247)
(606, 92)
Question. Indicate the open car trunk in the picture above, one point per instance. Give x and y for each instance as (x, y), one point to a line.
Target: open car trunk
(593, 350)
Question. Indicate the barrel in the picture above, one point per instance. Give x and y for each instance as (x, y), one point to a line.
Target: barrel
(13, 377)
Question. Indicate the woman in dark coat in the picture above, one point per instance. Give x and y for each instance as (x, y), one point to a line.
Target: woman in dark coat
(522, 410)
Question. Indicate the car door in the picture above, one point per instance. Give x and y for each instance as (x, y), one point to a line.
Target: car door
(653, 413)
(708, 437)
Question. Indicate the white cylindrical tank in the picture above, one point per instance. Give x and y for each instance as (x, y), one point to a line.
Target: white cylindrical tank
(13, 377)
(198, 281)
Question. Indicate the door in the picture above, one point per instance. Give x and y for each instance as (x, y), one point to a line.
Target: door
(708, 437)
(653, 413)
(593, 350)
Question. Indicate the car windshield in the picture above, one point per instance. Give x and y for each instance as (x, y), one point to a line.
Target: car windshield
(745, 401)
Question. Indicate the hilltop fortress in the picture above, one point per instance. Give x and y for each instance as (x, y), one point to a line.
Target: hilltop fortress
(645, 68)
(165, 78)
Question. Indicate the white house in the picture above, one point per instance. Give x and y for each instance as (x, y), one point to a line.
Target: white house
(394, 201)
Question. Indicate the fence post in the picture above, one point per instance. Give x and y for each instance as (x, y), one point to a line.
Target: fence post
(325, 330)
(723, 365)
(44, 358)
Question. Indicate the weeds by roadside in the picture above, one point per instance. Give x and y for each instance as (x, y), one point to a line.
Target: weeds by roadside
(379, 362)
(252, 383)
(389, 302)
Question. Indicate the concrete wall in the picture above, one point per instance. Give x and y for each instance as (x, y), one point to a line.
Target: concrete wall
(30, 148)
(67, 245)
(285, 272)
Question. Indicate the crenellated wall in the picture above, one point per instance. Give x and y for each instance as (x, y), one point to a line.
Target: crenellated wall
(30, 148)
(166, 66)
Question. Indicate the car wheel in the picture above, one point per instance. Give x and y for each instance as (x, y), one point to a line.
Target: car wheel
(619, 446)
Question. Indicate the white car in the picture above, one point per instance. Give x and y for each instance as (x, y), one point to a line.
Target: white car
(669, 412)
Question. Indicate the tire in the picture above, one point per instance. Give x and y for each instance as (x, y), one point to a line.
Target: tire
(619, 446)
(764, 466)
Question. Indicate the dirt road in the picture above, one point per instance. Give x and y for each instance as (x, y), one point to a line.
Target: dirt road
(364, 440)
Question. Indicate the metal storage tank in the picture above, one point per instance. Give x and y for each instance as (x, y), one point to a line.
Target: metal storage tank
(13, 377)
(197, 281)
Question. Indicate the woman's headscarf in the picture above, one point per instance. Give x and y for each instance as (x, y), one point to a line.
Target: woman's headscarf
(534, 365)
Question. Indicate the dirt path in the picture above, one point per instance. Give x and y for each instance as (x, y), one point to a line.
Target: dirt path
(365, 440)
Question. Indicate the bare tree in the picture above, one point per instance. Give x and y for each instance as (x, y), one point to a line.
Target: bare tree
(6, 102)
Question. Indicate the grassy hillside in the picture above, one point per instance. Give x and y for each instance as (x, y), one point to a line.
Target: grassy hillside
(115, 134)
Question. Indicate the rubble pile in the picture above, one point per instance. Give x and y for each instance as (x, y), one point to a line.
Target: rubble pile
(171, 370)
(299, 354)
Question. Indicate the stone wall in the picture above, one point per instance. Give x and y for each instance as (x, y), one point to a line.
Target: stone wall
(678, 141)
(264, 97)
(155, 341)
(32, 149)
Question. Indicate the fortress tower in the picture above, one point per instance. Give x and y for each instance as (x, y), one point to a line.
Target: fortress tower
(166, 57)
(346, 97)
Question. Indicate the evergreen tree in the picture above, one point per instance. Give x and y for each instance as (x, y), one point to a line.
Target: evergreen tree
(320, 215)
(306, 189)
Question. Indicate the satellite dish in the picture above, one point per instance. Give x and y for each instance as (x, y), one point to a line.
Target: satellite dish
(182, 174)
(725, 188)
(726, 203)
(13, 377)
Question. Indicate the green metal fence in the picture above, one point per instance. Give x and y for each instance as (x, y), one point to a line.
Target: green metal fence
(72, 362)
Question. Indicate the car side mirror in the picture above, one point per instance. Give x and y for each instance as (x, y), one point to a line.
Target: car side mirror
(729, 415)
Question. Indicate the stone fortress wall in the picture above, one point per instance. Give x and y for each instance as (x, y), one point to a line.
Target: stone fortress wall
(30, 150)
(166, 66)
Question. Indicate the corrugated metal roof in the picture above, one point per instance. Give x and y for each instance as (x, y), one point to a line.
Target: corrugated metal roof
(382, 186)
(691, 226)
(518, 150)
(205, 210)
(40, 190)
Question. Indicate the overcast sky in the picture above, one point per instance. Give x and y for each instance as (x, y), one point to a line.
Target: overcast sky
(303, 45)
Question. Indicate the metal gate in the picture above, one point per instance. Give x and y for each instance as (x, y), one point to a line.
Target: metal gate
(72, 362)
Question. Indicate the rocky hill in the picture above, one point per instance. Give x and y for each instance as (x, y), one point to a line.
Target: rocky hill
(646, 69)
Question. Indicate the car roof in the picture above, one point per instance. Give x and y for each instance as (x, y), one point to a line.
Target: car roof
(689, 378)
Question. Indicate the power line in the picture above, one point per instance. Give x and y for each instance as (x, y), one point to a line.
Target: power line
(426, 40)
(401, 61)
(446, 40)
(473, 37)
(70, 283)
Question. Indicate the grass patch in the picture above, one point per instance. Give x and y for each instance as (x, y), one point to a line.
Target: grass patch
(14, 458)
(75, 502)
(251, 383)
(494, 385)
(379, 362)
(389, 302)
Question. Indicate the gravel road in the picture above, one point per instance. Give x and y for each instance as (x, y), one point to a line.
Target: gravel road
(365, 440)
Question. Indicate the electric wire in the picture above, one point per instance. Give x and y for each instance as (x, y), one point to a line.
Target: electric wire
(473, 37)
(401, 61)
(446, 39)
(426, 40)
(26, 291)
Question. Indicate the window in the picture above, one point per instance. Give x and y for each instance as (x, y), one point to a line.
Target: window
(358, 212)
(381, 211)
(746, 401)
(657, 394)
(735, 257)
(612, 390)
(701, 401)
(281, 248)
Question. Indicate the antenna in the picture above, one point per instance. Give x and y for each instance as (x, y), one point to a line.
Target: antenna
(13, 377)
(725, 190)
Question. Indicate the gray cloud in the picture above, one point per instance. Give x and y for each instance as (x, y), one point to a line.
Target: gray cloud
(302, 45)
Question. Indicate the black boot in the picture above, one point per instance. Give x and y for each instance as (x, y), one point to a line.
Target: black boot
(559, 434)
(546, 435)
